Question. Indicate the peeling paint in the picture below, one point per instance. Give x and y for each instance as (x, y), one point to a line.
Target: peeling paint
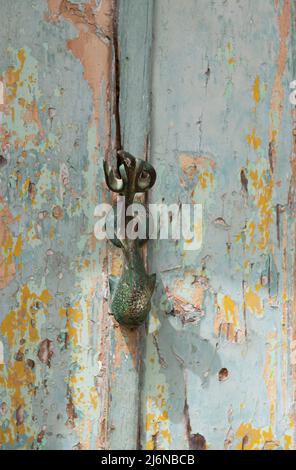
(215, 367)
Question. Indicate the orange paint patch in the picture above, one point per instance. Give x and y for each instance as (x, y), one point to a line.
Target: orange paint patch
(187, 292)
(90, 48)
(116, 263)
(12, 77)
(7, 267)
(17, 81)
(197, 164)
(32, 116)
(278, 92)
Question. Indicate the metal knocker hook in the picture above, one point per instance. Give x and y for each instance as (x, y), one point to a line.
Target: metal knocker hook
(131, 294)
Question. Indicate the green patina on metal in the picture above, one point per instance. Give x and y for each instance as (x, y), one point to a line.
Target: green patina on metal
(132, 294)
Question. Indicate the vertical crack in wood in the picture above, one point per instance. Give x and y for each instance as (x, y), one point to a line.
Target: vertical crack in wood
(116, 107)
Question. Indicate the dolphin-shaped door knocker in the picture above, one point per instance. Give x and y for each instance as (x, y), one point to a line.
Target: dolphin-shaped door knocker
(131, 296)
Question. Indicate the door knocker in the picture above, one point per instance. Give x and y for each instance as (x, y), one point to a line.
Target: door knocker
(131, 294)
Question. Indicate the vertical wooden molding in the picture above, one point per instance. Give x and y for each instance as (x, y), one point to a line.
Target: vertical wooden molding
(132, 57)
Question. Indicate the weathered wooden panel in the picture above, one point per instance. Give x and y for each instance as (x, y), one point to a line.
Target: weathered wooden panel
(55, 132)
(219, 368)
(67, 369)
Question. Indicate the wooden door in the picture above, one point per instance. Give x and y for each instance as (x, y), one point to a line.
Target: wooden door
(204, 95)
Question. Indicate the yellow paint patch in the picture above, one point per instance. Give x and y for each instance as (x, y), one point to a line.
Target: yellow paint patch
(19, 323)
(256, 90)
(73, 317)
(157, 421)
(226, 321)
(94, 398)
(230, 310)
(22, 325)
(253, 302)
(195, 242)
(230, 54)
(263, 188)
(253, 140)
(18, 246)
(206, 179)
(270, 371)
(1, 354)
(287, 442)
(255, 438)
